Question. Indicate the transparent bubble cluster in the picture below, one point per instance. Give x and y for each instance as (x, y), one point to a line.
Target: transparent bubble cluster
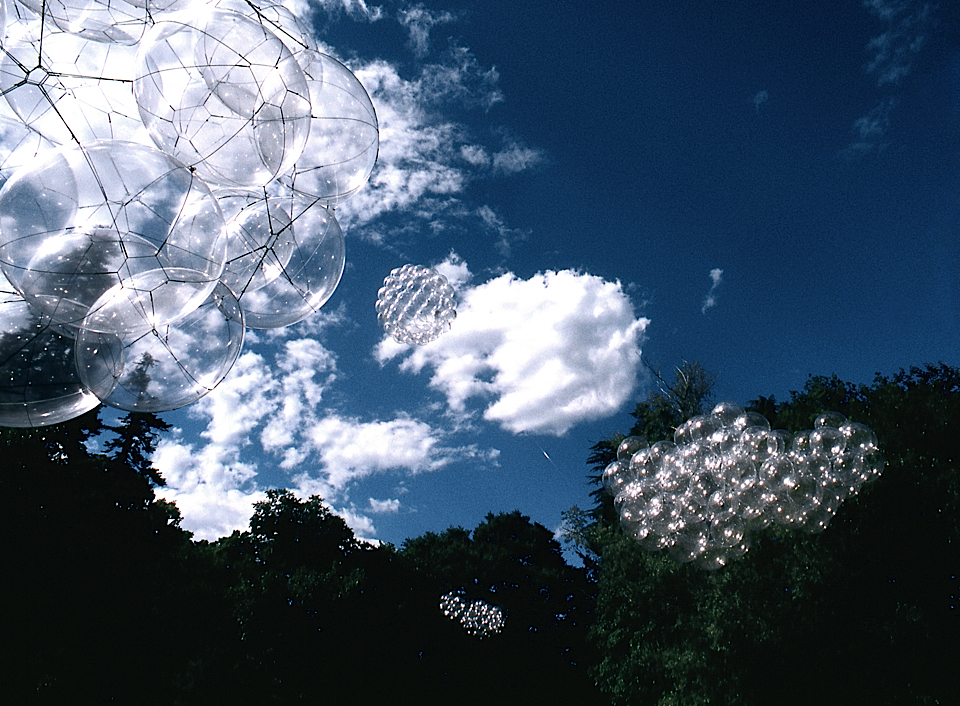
(416, 304)
(168, 170)
(727, 473)
(478, 618)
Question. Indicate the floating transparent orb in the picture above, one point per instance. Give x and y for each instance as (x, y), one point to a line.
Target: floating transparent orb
(20, 145)
(82, 222)
(629, 446)
(114, 21)
(39, 382)
(416, 304)
(169, 366)
(279, 21)
(477, 617)
(344, 134)
(222, 94)
(314, 265)
(68, 89)
(260, 238)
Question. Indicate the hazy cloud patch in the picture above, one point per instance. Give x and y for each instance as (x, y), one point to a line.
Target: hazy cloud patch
(710, 300)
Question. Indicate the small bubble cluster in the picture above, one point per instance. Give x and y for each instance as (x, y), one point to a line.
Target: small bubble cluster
(478, 618)
(416, 304)
(727, 473)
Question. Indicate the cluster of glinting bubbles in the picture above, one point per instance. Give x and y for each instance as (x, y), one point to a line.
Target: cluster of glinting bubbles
(727, 473)
(478, 618)
(169, 170)
(416, 304)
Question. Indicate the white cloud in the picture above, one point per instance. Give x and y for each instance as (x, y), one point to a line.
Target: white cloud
(419, 21)
(455, 270)
(516, 158)
(541, 354)
(356, 9)
(426, 158)
(759, 98)
(710, 301)
(893, 52)
(213, 489)
(869, 129)
(892, 56)
(384, 506)
(317, 450)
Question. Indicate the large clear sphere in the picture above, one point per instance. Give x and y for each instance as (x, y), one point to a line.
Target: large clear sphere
(114, 217)
(39, 382)
(344, 134)
(222, 94)
(312, 250)
(169, 366)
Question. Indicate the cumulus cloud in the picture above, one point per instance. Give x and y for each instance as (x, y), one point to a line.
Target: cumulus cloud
(213, 485)
(384, 506)
(710, 301)
(540, 355)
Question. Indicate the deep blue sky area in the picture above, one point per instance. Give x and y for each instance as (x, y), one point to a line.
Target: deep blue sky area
(775, 186)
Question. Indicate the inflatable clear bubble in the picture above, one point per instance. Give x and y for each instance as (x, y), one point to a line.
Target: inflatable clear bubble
(279, 21)
(416, 304)
(260, 238)
(70, 90)
(105, 21)
(130, 280)
(726, 413)
(116, 214)
(478, 618)
(829, 419)
(19, 146)
(727, 474)
(168, 367)
(222, 94)
(344, 134)
(39, 383)
(313, 254)
(629, 446)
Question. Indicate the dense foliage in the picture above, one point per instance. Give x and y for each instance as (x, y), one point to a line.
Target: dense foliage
(107, 600)
(865, 612)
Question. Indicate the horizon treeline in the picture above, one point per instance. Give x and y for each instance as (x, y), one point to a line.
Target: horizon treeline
(106, 599)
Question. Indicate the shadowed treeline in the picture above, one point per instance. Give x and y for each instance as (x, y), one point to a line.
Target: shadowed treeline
(105, 599)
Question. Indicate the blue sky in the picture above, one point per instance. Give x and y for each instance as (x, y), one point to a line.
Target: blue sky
(772, 189)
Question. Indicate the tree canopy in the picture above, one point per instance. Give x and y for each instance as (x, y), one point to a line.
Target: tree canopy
(110, 601)
(863, 612)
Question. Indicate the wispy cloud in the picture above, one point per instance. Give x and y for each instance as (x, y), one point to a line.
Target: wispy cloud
(869, 130)
(356, 9)
(710, 301)
(419, 21)
(892, 55)
(759, 98)
(274, 408)
(540, 355)
(906, 26)
(424, 157)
